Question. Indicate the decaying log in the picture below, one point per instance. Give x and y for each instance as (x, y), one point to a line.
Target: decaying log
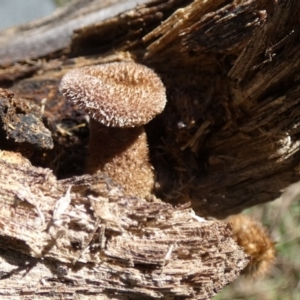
(53, 34)
(231, 73)
(228, 139)
(82, 236)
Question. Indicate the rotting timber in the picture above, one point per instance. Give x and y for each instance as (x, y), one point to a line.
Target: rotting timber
(228, 138)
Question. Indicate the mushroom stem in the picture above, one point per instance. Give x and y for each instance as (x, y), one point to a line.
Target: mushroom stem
(120, 98)
(121, 153)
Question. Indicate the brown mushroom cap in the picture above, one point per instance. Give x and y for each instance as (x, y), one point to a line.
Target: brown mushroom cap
(120, 94)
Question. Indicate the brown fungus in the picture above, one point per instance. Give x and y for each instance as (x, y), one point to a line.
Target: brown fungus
(256, 242)
(119, 97)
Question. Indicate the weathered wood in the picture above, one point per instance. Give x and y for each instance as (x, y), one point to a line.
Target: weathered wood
(53, 34)
(231, 73)
(227, 140)
(83, 238)
(22, 122)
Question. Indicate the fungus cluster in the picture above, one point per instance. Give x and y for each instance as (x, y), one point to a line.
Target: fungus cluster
(120, 98)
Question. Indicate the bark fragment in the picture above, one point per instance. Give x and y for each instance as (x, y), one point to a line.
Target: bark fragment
(22, 121)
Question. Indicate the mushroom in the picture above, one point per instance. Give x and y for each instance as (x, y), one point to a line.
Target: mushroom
(120, 98)
(256, 242)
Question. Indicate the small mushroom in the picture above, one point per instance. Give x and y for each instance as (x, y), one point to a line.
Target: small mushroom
(120, 98)
(256, 242)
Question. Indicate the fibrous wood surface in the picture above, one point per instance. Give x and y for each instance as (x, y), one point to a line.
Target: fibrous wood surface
(82, 238)
(228, 139)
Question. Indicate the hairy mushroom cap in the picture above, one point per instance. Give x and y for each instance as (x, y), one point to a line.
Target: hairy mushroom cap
(120, 94)
(256, 242)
